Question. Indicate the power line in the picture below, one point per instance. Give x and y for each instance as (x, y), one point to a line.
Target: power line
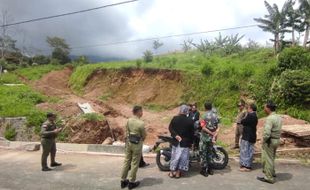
(66, 14)
(164, 37)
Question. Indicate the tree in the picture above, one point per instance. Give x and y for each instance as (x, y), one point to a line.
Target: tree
(275, 23)
(148, 56)
(293, 20)
(61, 49)
(157, 44)
(304, 8)
(7, 43)
(187, 45)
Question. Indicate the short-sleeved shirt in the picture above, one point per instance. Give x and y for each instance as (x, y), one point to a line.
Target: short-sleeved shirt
(135, 126)
(211, 119)
(47, 130)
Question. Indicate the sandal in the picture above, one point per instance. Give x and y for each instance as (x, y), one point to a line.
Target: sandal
(177, 176)
(171, 175)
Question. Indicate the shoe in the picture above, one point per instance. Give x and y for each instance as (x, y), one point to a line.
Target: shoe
(204, 173)
(235, 147)
(124, 183)
(55, 164)
(46, 169)
(132, 185)
(264, 180)
(144, 165)
(210, 171)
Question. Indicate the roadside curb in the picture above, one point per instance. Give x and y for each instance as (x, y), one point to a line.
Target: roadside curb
(118, 150)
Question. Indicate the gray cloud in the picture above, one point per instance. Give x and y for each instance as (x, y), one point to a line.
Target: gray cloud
(100, 26)
(114, 24)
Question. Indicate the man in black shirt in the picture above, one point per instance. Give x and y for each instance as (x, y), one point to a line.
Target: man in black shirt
(182, 130)
(248, 138)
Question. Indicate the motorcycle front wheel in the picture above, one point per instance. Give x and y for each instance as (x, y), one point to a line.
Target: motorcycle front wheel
(220, 158)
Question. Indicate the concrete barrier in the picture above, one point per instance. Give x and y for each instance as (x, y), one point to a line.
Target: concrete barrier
(112, 149)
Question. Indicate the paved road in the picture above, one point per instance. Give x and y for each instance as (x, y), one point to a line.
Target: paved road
(21, 170)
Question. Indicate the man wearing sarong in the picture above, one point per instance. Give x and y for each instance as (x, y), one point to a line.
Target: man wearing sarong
(248, 138)
(182, 130)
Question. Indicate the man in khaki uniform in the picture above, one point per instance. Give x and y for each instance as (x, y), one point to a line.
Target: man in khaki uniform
(49, 132)
(237, 125)
(271, 141)
(135, 133)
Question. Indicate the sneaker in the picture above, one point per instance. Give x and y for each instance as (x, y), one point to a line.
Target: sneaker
(210, 171)
(46, 169)
(264, 180)
(144, 165)
(132, 185)
(124, 183)
(55, 164)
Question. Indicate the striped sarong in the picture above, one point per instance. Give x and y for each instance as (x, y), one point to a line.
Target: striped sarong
(246, 153)
(179, 158)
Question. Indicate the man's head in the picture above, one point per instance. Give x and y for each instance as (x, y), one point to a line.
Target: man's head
(51, 117)
(241, 105)
(184, 109)
(208, 106)
(137, 111)
(252, 107)
(270, 106)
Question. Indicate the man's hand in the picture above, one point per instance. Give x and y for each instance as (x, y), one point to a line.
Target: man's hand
(57, 130)
(178, 138)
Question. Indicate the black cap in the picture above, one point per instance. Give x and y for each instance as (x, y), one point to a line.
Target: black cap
(50, 114)
(271, 105)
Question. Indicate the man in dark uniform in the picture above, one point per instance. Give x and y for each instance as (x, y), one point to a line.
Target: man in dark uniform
(209, 132)
(49, 132)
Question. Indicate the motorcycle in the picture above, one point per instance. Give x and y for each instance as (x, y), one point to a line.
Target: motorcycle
(219, 155)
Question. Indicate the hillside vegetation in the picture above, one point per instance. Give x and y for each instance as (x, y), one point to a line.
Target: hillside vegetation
(222, 79)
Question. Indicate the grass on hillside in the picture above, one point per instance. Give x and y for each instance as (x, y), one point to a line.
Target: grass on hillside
(227, 77)
(18, 101)
(36, 72)
(81, 73)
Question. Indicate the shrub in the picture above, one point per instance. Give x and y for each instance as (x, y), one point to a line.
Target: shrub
(294, 58)
(93, 117)
(41, 59)
(54, 61)
(139, 63)
(293, 87)
(207, 70)
(9, 133)
(148, 56)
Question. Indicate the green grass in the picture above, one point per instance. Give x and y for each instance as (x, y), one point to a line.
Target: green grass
(9, 78)
(18, 101)
(36, 72)
(93, 117)
(79, 77)
(9, 133)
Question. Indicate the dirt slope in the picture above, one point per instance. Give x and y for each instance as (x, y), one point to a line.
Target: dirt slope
(158, 87)
(120, 90)
(126, 88)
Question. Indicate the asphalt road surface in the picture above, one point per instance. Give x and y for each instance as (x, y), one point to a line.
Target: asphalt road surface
(21, 170)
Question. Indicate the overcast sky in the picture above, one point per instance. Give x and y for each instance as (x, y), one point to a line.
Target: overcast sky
(142, 19)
